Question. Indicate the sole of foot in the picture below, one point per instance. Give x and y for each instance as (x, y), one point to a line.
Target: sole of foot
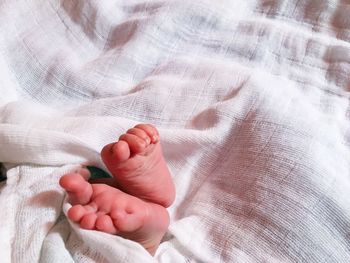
(136, 162)
(107, 209)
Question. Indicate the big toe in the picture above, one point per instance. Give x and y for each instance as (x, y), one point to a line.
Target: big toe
(115, 152)
(79, 190)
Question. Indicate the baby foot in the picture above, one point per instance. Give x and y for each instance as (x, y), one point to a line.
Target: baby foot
(136, 162)
(107, 209)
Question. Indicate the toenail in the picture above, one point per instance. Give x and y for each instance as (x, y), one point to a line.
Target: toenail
(148, 140)
(155, 138)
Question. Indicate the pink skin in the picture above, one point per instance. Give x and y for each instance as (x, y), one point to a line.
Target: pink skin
(107, 209)
(136, 162)
(138, 166)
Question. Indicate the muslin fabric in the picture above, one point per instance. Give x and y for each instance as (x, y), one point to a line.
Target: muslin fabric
(251, 99)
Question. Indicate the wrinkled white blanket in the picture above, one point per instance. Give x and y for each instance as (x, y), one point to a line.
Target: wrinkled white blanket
(251, 99)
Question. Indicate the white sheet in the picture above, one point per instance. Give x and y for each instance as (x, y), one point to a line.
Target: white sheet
(251, 99)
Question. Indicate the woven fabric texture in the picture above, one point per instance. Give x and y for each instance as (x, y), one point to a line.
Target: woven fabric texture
(251, 99)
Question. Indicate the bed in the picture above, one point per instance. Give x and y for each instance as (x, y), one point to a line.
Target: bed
(251, 99)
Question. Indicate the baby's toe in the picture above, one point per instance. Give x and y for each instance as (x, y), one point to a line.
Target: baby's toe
(76, 213)
(104, 223)
(78, 189)
(151, 131)
(118, 151)
(88, 221)
(136, 144)
(141, 134)
(85, 173)
(73, 182)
